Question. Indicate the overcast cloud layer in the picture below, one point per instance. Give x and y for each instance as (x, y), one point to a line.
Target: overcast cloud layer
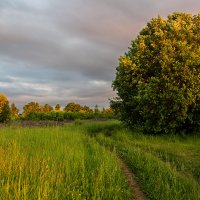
(57, 51)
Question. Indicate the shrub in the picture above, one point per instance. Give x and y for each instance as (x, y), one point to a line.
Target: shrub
(61, 116)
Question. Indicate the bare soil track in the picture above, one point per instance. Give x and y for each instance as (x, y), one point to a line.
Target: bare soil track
(137, 193)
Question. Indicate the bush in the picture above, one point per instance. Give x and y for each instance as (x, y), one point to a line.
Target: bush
(62, 116)
(157, 80)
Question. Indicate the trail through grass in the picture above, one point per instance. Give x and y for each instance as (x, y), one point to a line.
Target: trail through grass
(167, 167)
(133, 183)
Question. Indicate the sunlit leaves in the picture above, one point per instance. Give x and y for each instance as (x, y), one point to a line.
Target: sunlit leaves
(3, 101)
(14, 111)
(57, 107)
(4, 109)
(31, 107)
(158, 79)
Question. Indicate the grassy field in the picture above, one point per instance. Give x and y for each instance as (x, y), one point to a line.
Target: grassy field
(79, 161)
(167, 167)
(57, 163)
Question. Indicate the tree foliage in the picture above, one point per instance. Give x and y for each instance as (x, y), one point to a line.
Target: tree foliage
(4, 109)
(31, 107)
(74, 107)
(96, 109)
(65, 116)
(47, 108)
(86, 109)
(107, 110)
(35, 111)
(14, 111)
(57, 107)
(158, 79)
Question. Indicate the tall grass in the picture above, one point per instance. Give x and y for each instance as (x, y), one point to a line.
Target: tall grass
(67, 163)
(57, 163)
(167, 167)
(181, 153)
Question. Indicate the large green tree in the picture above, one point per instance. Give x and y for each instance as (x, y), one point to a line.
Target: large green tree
(158, 79)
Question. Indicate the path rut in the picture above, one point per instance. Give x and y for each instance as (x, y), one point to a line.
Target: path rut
(137, 193)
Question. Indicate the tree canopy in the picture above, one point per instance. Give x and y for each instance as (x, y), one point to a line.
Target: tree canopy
(4, 108)
(74, 107)
(31, 107)
(57, 107)
(158, 79)
(47, 108)
(14, 111)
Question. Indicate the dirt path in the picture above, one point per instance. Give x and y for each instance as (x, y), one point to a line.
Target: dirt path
(135, 188)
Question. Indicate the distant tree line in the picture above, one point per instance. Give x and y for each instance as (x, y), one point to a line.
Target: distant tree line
(35, 111)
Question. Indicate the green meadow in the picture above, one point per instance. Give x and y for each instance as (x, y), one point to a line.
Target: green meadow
(167, 167)
(57, 163)
(80, 161)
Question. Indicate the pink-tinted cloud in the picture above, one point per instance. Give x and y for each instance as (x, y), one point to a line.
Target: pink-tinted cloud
(71, 47)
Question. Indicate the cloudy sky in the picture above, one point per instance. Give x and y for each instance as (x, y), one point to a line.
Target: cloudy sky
(57, 51)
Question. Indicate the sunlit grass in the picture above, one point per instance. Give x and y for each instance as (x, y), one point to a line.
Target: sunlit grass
(57, 163)
(167, 167)
(79, 161)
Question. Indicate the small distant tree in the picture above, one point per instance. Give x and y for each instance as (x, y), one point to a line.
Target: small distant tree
(47, 108)
(57, 107)
(108, 111)
(14, 111)
(31, 107)
(87, 109)
(96, 109)
(103, 111)
(4, 109)
(72, 107)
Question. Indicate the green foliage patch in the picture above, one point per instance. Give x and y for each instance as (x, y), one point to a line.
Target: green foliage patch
(158, 79)
(5, 113)
(62, 116)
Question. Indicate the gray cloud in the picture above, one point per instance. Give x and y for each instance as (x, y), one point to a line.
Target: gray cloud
(60, 50)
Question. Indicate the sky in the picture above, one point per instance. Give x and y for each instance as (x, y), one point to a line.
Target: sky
(59, 51)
